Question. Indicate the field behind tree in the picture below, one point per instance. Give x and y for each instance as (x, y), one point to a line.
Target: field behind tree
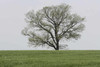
(46, 58)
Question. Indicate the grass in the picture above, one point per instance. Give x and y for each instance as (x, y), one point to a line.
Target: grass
(32, 58)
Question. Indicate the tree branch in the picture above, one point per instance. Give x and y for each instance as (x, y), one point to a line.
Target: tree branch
(48, 32)
(50, 19)
(63, 33)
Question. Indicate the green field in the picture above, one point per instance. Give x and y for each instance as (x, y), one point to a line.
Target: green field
(32, 58)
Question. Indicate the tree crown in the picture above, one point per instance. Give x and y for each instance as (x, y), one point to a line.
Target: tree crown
(51, 24)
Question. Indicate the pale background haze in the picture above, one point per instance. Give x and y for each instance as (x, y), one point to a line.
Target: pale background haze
(12, 15)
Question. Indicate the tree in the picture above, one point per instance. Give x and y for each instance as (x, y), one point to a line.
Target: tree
(50, 25)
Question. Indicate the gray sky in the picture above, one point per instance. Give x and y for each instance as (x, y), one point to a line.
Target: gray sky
(12, 14)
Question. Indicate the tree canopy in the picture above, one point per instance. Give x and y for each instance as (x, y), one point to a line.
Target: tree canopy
(52, 24)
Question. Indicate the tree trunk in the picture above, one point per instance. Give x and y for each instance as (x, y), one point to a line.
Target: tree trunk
(57, 46)
(57, 49)
(56, 36)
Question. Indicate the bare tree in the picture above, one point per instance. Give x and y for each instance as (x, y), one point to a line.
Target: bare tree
(51, 25)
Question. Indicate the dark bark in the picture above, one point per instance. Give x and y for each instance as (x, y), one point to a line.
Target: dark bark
(57, 40)
(57, 46)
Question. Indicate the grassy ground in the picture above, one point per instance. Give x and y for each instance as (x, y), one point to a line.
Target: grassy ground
(50, 58)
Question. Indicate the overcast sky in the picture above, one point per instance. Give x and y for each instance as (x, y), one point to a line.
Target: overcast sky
(12, 14)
